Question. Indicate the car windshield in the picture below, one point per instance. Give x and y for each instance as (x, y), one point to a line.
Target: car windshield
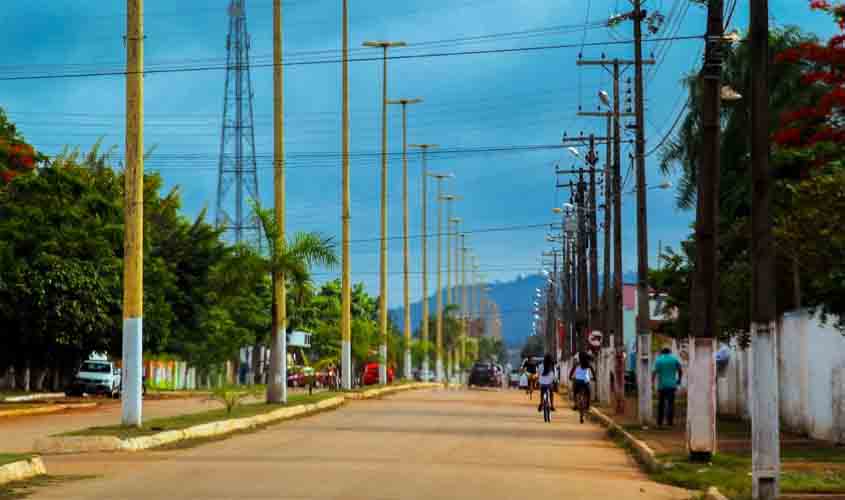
(91, 367)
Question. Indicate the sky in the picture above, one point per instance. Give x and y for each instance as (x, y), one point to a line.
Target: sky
(482, 109)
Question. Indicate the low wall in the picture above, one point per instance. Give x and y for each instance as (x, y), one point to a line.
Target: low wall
(811, 364)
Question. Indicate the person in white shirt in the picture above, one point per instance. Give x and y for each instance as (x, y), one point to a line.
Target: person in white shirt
(546, 374)
(582, 373)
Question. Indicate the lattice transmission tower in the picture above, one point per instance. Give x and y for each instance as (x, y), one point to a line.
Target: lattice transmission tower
(237, 181)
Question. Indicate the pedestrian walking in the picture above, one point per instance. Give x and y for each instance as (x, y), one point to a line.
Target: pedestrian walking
(667, 373)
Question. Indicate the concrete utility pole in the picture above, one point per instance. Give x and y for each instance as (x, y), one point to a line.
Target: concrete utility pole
(643, 314)
(345, 216)
(701, 399)
(382, 367)
(405, 263)
(277, 387)
(424, 334)
(133, 210)
(449, 198)
(439, 333)
(765, 431)
(465, 306)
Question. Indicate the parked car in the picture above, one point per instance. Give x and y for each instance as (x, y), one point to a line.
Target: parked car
(513, 379)
(424, 376)
(96, 377)
(483, 375)
(369, 376)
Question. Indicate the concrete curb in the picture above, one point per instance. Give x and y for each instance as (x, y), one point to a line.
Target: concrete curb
(384, 391)
(24, 469)
(713, 493)
(32, 397)
(85, 444)
(44, 410)
(644, 454)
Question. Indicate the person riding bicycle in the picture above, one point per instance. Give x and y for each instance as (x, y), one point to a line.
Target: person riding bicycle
(546, 375)
(582, 373)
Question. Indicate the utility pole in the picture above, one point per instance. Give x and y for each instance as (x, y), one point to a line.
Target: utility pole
(345, 216)
(592, 159)
(643, 315)
(607, 325)
(382, 367)
(439, 332)
(405, 263)
(583, 287)
(765, 431)
(133, 209)
(617, 305)
(465, 306)
(277, 387)
(424, 148)
(701, 400)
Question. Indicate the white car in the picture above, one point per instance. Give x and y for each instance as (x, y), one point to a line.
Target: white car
(96, 376)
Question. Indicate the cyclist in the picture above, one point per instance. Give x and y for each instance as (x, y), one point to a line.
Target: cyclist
(546, 373)
(582, 373)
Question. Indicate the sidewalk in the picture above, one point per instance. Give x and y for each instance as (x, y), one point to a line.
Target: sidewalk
(809, 466)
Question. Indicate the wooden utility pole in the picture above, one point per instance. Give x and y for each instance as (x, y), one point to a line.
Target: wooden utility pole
(701, 400)
(607, 303)
(592, 208)
(346, 216)
(133, 212)
(765, 431)
(643, 315)
(583, 285)
(277, 384)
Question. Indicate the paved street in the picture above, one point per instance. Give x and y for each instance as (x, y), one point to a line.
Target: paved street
(433, 444)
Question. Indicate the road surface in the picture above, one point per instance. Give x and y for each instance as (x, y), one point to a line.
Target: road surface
(418, 445)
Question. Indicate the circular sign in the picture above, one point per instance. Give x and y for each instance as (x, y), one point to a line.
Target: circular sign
(595, 339)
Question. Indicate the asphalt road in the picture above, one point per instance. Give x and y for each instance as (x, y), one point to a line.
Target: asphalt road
(421, 445)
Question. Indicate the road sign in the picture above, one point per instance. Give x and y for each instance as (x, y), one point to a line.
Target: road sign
(595, 339)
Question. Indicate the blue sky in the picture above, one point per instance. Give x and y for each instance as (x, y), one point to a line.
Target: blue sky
(471, 101)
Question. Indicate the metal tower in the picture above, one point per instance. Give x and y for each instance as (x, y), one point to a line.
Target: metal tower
(237, 180)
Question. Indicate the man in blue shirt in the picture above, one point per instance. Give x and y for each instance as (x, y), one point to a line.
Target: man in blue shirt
(667, 373)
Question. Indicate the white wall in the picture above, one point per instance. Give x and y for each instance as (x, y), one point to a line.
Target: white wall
(811, 360)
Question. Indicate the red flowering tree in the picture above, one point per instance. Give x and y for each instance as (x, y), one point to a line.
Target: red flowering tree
(16, 156)
(809, 152)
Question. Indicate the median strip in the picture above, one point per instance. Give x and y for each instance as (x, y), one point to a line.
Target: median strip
(41, 410)
(19, 470)
(161, 432)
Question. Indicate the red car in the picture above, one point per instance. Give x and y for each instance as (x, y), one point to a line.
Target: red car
(370, 374)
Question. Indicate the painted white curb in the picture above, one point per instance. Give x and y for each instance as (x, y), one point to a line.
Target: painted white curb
(21, 412)
(713, 493)
(375, 393)
(33, 397)
(25, 469)
(643, 452)
(83, 444)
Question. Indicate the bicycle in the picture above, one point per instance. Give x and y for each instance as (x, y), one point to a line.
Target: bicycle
(581, 402)
(547, 405)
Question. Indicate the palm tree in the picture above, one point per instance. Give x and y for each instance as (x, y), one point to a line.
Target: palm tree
(292, 260)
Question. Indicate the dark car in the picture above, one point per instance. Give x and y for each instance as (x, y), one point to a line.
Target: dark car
(482, 375)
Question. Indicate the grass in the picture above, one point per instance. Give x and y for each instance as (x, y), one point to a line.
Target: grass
(22, 489)
(7, 458)
(731, 473)
(180, 422)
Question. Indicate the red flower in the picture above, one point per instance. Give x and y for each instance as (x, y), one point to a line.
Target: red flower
(8, 175)
(788, 137)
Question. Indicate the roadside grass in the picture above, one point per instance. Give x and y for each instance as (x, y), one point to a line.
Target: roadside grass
(22, 489)
(7, 458)
(180, 422)
(731, 473)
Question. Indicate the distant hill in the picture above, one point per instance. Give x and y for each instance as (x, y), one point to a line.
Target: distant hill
(515, 301)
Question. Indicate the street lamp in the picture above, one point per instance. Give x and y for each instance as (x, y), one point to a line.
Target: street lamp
(439, 338)
(405, 251)
(384, 45)
(604, 97)
(424, 148)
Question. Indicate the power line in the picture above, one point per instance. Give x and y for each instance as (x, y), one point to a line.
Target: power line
(337, 61)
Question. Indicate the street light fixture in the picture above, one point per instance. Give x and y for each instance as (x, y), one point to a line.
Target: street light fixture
(604, 97)
(384, 45)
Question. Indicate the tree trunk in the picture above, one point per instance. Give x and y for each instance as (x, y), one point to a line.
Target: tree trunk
(40, 378)
(26, 377)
